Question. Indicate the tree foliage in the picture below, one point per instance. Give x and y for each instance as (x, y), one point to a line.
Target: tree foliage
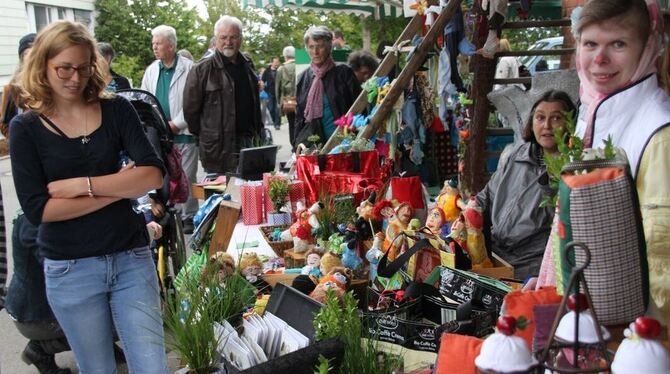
(127, 26)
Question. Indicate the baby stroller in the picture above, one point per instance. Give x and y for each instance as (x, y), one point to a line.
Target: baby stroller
(170, 249)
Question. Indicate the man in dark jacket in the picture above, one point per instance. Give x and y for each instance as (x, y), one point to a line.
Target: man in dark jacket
(221, 103)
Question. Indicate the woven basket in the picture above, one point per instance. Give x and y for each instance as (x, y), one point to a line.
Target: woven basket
(277, 247)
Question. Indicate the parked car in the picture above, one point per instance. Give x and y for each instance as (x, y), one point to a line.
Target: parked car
(537, 64)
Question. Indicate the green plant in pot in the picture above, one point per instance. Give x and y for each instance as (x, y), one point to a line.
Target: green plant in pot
(190, 314)
(340, 318)
(278, 190)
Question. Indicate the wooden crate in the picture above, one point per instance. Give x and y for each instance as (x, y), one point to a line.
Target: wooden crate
(500, 269)
(280, 246)
(294, 260)
(283, 278)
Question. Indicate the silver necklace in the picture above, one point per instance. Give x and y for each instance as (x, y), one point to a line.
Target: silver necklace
(85, 139)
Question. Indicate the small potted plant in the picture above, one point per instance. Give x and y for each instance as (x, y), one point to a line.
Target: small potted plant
(278, 190)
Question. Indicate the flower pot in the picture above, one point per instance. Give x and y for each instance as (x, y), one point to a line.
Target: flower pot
(282, 218)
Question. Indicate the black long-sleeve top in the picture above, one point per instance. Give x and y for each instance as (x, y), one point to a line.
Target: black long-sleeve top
(40, 156)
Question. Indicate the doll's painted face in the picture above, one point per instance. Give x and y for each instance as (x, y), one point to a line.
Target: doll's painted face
(253, 269)
(405, 214)
(434, 221)
(314, 260)
(365, 209)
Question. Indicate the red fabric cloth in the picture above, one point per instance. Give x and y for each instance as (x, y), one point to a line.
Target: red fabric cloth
(408, 190)
(457, 354)
(338, 175)
(521, 304)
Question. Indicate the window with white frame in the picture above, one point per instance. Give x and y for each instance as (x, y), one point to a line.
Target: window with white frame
(40, 15)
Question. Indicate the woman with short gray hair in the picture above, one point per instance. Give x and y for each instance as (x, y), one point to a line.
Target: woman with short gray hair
(324, 92)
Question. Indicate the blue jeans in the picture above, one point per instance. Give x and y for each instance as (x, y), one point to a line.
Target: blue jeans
(91, 295)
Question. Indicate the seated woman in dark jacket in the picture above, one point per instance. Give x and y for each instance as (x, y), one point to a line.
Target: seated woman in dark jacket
(324, 92)
(516, 227)
(27, 302)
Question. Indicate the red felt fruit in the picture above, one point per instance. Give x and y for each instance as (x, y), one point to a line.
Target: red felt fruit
(577, 298)
(506, 325)
(647, 327)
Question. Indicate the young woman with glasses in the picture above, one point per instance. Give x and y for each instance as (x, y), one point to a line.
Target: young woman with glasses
(98, 268)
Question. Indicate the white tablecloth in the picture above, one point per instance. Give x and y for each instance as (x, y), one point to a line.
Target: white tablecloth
(243, 233)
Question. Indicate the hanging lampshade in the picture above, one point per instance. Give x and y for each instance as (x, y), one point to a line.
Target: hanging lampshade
(577, 343)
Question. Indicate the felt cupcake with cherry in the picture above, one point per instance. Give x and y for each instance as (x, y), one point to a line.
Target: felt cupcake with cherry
(579, 312)
(640, 351)
(503, 352)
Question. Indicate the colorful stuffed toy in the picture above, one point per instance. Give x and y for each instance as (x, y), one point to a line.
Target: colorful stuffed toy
(474, 223)
(374, 254)
(350, 258)
(404, 213)
(313, 259)
(448, 200)
(337, 279)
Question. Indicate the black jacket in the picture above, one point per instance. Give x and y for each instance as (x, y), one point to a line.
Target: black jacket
(26, 296)
(342, 89)
(122, 82)
(209, 110)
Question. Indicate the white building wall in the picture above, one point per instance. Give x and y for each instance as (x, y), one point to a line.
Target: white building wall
(15, 23)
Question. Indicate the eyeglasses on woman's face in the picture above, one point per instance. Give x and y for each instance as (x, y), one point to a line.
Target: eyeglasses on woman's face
(67, 71)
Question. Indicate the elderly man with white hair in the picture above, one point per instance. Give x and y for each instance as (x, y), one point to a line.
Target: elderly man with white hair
(221, 103)
(166, 78)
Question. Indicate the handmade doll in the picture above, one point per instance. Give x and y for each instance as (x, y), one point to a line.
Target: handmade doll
(220, 263)
(337, 279)
(350, 258)
(448, 200)
(474, 222)
(251, 269)
(364, 225)
(374, 254)
(313, 219)
(328, 262)
(404, 213)
(422, 263)
(435, 220)
(300, 229)
(313, 260)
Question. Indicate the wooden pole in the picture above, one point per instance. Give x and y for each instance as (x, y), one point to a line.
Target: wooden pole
(405, 75)
(412, 66)
(474, 176)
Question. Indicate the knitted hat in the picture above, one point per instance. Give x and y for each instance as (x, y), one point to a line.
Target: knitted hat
(26, 42)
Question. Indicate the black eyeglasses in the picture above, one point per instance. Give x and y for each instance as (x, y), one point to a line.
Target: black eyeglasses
(66, 72)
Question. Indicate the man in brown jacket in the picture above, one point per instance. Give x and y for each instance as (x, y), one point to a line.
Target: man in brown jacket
(221, 103)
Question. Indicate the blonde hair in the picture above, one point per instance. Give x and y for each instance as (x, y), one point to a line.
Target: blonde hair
(504, 45)
(32, 83)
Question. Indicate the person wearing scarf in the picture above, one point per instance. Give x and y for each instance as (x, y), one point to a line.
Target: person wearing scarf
(618, 45)
(325, 91)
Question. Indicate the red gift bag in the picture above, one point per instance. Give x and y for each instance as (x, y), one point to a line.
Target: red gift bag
(408, 190)
(337, 174)
(296, 194)
(252, 203)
